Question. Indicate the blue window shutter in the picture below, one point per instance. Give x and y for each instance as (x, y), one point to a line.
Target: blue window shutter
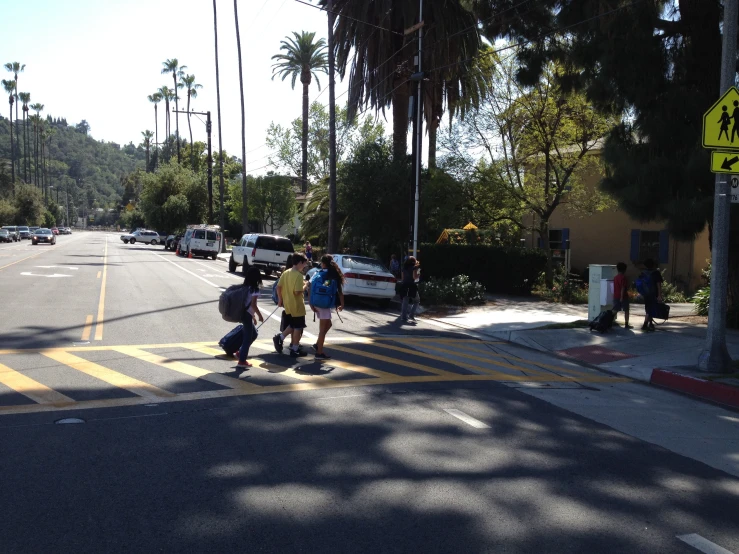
(664, 246)
(565, 237)
(538, 242)
(635, 236)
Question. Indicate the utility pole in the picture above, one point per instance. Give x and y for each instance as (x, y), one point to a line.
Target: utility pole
(418, 78)
(208, 127)
(221, 213)
(333, 239)
(715, 357)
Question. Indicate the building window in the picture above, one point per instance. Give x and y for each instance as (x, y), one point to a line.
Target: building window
(649, 244)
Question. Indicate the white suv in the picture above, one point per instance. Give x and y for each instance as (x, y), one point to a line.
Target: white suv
(267, 252)
(140, 235)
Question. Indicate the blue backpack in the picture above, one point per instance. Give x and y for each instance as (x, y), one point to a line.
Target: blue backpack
(644, 284)
(323, 290)
(274, 293)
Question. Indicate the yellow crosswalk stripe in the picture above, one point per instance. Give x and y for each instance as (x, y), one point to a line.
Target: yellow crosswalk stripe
(187, 369)
(394, 361)
(31, 388)
(110, 376)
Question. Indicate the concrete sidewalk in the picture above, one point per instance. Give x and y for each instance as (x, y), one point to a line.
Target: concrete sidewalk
(672, 350)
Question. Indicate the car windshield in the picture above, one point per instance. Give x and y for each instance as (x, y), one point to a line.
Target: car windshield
(43, 232)
(367, 264)
(23, 228)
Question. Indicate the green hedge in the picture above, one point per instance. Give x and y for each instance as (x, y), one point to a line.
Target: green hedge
(499, 269)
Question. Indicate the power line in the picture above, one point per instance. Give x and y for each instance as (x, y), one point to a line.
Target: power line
(339, 14)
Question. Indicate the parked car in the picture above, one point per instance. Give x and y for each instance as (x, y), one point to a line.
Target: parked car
(172, 242)
(364, 277)
(201, 240)
(24, 232)
(148, 237)
(33, 228)
(65, 231)
(5, 236)
(267, 252)
(43, 235)
(13, 230)
(55, 230)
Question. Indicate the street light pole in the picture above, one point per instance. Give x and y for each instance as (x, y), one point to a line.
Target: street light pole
(418, 76)
(208, 128)
(715, 356)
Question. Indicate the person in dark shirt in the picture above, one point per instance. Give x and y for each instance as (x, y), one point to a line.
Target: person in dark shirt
(653, 296)
(621, 294)
(409, 290)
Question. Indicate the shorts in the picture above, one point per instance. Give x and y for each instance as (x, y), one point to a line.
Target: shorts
(323, 313)
(409, 290)
(621, 306)
(294, 322)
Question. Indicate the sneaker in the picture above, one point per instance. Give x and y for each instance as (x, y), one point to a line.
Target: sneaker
(315, 346)
(628, 326)
(277, 341)
(297, 353)
(244, 366)
(322, 356)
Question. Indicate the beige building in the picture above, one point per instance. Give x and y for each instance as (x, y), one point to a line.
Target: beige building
(612, 236)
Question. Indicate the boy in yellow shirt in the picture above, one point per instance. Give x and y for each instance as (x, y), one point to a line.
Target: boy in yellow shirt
(290, 289)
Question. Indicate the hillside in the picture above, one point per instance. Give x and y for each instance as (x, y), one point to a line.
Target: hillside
(91, 169)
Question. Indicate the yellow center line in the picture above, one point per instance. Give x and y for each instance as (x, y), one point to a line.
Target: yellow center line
(111, 377)
(101, 304)
(99, 273)
(88, 328)
(31, 388)
(22, 260)
(187, 369)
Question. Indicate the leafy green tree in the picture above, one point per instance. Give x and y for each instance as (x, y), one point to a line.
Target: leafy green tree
(173, 66)
(9, 87)
(173, 197)
(287, 141)
(29, 205)
(48, 219)
(189, 84)
(271, 200)
(538, 143)
(7, 212)
(303, 57)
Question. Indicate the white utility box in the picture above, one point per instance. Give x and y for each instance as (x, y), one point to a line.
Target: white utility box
(600, 288)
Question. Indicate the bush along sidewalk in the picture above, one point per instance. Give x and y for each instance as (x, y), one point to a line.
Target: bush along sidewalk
(457, 291)
(567, 288)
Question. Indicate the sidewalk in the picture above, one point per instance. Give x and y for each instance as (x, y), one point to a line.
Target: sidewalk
(667, 357)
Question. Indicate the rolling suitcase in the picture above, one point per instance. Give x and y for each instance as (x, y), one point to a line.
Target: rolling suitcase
(232, 341)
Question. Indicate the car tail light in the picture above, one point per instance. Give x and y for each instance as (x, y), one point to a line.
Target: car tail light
(254, 252)
(350, 275)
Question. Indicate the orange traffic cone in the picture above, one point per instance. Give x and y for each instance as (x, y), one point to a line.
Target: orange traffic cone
(177, 252)
(189, 253)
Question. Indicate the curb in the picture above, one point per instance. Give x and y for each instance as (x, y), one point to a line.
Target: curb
(708, 390)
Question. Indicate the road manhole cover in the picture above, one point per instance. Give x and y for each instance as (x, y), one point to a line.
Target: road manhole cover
(69, 420)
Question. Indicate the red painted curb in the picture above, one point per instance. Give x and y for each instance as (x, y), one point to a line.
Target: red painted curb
(709, 390)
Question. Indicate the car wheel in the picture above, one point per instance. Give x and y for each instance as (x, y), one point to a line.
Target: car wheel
(384, 303)
(232, 264)
(125, 242)
(153, 242)
(214, 256)
(133, 241)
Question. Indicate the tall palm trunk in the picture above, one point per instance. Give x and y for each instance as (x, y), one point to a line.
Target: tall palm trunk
(26, 159)
(189, 126)
(177, 117)
(156, 130)
(244, 210)
(221, 209)
(401, 96)
(166, 126)
(305, 79)
(432, 127)
(147, 156)
(12, 145)
(35, 153)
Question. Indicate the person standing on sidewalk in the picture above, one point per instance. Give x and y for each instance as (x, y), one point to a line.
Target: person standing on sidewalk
(621, 294)
(652, 281)
(292, 287)
(252, 281)
(324, 314)
(409, 289)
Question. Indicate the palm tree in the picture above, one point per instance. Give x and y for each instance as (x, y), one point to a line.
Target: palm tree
(221, 210)
(166, 94)
(38, 108)
(148, 135)
(9, 87)
(244, 205)
(192, 92)
(15, 68)
(381, 60)
(302, 57)
(173, 66)
(25, 97)
(155, 99)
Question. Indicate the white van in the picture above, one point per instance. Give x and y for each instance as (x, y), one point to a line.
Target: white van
(201, 240)
(267, 252)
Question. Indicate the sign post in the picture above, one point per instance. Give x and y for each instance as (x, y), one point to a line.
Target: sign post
(721, 131)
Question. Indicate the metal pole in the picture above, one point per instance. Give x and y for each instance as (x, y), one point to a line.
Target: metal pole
(210, 171)
(419, 130)
(333, 239)
(244, 206)
(715, 357)
(221, 212)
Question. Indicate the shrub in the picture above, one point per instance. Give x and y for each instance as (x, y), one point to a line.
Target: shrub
(670, 293)
(457, 291)
(499, 269)
(701, 299)
(566, 287)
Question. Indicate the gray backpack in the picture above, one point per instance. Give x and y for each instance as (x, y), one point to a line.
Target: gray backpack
(231, 303)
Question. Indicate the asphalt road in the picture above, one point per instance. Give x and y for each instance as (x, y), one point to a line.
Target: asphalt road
(412, 439)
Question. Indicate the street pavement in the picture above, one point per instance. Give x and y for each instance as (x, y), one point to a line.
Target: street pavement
(412, 438)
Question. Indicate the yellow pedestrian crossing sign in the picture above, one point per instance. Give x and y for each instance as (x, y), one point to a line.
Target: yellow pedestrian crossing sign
(721, 123)
(725, 162)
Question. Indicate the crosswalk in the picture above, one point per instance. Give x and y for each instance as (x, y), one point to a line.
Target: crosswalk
(83, 377)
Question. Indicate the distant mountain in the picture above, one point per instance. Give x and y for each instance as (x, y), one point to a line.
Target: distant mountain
(92, 169)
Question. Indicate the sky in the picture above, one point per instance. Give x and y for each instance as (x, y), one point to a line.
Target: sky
(98, 60)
